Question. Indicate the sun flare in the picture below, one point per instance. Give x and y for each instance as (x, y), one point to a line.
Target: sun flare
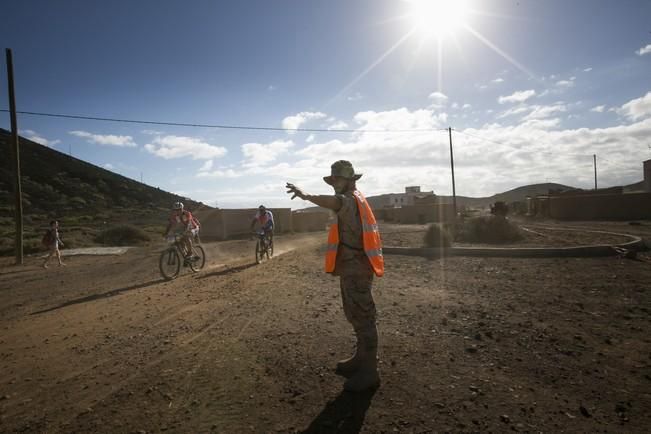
(437, 18)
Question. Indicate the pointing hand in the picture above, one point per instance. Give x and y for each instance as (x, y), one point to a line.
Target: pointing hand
(295, 191)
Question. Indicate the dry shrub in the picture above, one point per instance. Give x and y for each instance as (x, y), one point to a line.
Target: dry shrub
(437, 236)
(489, 230)
(122, 235)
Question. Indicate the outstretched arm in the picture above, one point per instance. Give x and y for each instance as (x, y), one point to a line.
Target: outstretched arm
(326, 201)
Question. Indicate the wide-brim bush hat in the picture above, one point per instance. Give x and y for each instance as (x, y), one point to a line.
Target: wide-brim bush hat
(343, 169)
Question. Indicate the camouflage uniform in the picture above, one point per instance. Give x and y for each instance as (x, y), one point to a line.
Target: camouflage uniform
(355, 274)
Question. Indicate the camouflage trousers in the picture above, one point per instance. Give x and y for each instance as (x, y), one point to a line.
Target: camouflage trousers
(359, 308)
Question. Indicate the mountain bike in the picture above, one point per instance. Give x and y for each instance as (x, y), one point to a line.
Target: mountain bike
(264, 247)
(174, 256)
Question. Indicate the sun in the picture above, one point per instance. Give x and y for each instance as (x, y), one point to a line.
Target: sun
(437, 18)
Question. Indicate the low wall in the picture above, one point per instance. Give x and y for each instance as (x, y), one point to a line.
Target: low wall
(628, 206)
(309, 221)
(222, 224)
(417, 214)
(211, 224)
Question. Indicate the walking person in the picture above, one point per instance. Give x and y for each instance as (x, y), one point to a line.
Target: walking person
(354, 254)
(52, 241)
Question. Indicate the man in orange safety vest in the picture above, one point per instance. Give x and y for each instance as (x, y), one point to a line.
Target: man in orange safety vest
(354, 254)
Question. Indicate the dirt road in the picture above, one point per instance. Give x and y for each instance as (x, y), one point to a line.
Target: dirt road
(466, 344)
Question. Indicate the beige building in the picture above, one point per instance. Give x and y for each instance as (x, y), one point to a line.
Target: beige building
(412, 196)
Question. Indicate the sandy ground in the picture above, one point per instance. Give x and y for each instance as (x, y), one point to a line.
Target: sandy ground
(466, 344)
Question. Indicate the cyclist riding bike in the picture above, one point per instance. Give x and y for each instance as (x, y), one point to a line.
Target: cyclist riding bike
(265, 219)
(183, 224)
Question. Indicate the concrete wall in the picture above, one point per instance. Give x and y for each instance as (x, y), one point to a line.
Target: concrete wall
(417, 214)
(309, 221)
(211, 224)
(630, 206)
(222, 224)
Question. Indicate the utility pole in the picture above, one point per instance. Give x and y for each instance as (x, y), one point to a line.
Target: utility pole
(454, 191)
(594, 162)
(16, 151)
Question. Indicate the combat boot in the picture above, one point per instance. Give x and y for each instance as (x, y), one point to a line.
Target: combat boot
(366, 377)
(346, 368)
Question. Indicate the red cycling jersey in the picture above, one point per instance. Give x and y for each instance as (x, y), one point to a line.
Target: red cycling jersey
(186, 219)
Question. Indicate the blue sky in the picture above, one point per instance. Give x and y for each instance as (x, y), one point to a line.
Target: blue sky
(531, 88)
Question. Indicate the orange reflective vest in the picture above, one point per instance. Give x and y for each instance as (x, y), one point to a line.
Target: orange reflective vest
(370, 238)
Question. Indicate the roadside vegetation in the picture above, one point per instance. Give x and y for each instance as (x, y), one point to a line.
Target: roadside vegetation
(488, 230)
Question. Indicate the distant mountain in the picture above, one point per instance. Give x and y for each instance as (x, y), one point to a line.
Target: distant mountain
(514, 195)
(83, 196)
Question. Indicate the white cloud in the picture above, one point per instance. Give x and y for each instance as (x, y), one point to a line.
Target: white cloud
(565, 83)
(108, 166)
(519, 96)
(438, 99)
(514, 111)
(206, 166)
(259, 154)
(36, 137)
(310, 138)
(339, 125)
(466, 106)
(271, 88)
(598, 109)
(493, 158)
(105, 139)
(356, 97)
(153, 132)
(644, 50)
(637, 108)
(587, 70)
(498, 80)
(295, 121)
(542, 112)
(169, 147)
(221, 173)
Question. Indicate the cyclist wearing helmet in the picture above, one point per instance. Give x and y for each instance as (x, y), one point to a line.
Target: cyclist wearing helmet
(265, 219)
(184, 224)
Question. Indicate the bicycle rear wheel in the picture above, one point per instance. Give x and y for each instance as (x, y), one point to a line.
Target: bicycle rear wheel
(169, 264)
(197, 264)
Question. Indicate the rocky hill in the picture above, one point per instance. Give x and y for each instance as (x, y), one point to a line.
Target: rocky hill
(85, 198)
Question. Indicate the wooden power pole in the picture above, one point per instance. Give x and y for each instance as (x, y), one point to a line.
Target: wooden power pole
(16, 159)
(594, 161)
(454, 191)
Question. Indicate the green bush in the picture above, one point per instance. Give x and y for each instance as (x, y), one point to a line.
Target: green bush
(437, 236)
(122, 235)
(489, 230)
(77, 202)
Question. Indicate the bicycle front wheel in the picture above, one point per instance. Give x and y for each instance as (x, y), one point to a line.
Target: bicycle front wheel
(169, 264)
(198, 263)
(259, 253)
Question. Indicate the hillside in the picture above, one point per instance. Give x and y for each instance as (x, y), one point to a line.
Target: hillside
(517, 194)
(85, 198)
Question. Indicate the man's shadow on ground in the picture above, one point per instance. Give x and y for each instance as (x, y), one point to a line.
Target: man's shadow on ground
(344, 414)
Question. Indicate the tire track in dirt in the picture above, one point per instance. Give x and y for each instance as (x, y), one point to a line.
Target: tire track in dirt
(87, 401)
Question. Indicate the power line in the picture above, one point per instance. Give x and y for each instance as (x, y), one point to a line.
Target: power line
(231, 127)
